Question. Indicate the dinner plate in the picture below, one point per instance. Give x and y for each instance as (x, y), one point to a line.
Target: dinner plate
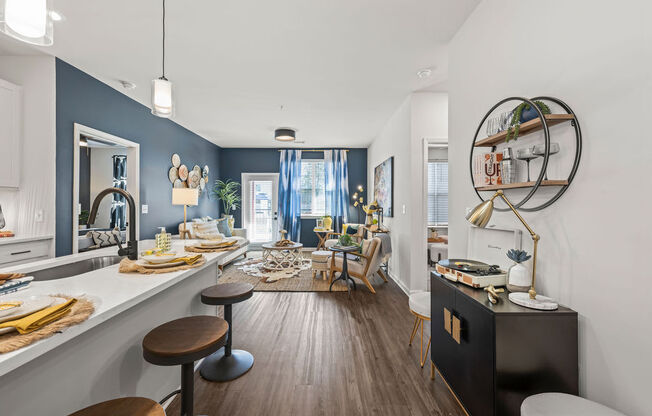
(157, 259)
(53, 302)
(147, 265)
(31, 304)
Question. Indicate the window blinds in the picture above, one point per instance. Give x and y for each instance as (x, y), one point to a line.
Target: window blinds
(438, 193)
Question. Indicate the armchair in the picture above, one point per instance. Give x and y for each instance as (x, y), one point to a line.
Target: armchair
(331, 238)
(363, 269)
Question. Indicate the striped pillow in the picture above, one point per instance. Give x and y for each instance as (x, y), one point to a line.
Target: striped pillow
(207, 230)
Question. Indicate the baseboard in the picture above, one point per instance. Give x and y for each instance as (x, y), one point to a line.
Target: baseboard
(400, 284)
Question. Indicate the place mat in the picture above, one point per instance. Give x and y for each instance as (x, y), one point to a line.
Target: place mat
(79, 312)
(200, 249)
(130, 266)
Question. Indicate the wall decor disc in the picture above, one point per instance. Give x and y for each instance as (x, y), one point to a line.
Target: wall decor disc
(178, 184)
(202, 183)
(193, 179)
(183, 172)
(176, 160)
(206, 170)
(197, 169)
(173, 174)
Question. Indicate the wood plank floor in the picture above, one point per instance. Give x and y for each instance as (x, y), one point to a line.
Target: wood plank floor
(326, 354)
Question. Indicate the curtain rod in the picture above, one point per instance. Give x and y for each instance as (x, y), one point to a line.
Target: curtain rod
(312, 150)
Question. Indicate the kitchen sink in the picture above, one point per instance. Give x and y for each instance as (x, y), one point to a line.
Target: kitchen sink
(73, 269)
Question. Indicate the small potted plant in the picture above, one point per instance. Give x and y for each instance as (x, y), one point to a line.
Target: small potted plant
(228, 193)
(521, 114)
(518, 276)
(83, 219)
(346, 240)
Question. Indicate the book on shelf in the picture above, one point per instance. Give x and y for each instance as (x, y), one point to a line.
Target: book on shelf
(487, 170)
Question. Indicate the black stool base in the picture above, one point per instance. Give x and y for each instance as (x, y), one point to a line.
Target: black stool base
(219, 367)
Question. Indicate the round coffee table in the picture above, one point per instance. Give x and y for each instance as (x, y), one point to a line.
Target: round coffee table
(282, 258)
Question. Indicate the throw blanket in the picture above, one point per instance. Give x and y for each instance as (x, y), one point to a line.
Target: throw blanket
(385, 244)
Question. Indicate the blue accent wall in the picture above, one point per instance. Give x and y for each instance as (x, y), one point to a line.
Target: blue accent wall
(235, 161)
(85, 100)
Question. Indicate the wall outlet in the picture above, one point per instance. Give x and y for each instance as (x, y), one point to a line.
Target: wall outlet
(144, 209)
(38, 217)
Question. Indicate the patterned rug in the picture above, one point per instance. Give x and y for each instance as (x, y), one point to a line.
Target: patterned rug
(296, 280)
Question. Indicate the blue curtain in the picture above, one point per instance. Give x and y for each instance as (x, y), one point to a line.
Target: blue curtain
(337, 187)
(118, 213)
(289, 193)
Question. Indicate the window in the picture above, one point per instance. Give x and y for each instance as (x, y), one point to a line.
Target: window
(438, 192)
(313, 186)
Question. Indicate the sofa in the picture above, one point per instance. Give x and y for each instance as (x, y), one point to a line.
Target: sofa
(240, 234)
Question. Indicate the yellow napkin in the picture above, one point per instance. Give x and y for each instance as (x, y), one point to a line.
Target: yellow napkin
(39, 319)
(189, 259)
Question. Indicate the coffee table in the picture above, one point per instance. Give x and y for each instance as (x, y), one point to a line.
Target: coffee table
(282, 258)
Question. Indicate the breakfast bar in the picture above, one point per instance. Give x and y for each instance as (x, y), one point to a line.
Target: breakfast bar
(101, 358)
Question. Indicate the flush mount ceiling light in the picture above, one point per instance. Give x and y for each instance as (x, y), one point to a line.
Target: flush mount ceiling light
(127, 85)
(424, 73)
(27, 21)
(162, 100)
(285, 135)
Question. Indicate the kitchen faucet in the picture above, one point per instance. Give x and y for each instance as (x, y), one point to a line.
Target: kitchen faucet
(132, 245)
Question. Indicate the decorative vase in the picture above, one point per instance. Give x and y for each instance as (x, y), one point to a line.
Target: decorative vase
(518, 278)
(229, 220)
(328, 222)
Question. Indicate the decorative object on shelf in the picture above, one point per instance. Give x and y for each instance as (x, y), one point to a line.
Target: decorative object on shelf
(487, 169)
(28, 21)
(493, 293)
(358, 199)
(384, 186)
(328, 222)
(185, 197)
(526, 154)
(518, 279)
(540, 123)
(480, 217)
(319, 224)
(540, 151)
(183, 172)
(176, 160)
(228, 193)
(508, 167)
(162, 97)
(2, 219)
(523, 113)
(173, 174)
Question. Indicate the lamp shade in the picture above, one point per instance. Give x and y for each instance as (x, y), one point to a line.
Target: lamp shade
(27, 21)
(162, 104)
(285, 135)
(185, 196)
(481, 214)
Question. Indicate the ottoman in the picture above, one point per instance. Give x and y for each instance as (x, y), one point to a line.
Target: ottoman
(321, 261)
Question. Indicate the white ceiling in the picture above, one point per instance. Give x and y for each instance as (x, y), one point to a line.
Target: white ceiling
(339, 68)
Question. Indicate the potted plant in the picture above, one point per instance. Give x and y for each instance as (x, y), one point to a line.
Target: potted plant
(83, 219)
(521, 114)
(229, 193)
(518, 276)
(345, 240)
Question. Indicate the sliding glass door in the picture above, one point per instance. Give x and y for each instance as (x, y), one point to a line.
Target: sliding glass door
(260, 206)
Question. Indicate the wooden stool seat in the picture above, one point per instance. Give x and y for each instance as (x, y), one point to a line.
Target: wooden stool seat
(227, 293)
(126, 406)
(185, 340)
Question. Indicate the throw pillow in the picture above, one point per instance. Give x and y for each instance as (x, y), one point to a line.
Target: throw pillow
(223, 227)
(106, 238)
(352, 229)
(205, 228)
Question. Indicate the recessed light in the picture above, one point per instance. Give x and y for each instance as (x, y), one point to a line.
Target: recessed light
(56, 16)
(424, 73)
(127, 85)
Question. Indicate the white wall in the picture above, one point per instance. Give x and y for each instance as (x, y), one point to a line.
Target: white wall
(36, 74)
(420, 116)
(596, 240)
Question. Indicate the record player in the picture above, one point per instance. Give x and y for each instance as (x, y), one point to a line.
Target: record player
(471, 272)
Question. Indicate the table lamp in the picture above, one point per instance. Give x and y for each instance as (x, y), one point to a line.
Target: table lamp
(185, 197)
(480, 217)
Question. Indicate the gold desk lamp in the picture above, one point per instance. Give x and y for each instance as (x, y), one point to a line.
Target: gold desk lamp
(480, 217)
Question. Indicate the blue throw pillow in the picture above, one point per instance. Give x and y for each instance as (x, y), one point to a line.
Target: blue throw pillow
(352, 229)
(223, 227)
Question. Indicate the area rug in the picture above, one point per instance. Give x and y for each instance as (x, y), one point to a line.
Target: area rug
(297, 280)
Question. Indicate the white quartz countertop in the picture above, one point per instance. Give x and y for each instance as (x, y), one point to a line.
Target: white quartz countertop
(112, 292)
(23, 239)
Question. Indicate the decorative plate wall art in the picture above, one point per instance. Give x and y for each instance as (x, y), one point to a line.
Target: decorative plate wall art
(193, 179)
(173, 174)
(181, 177)
(183, 172)
(176, 160)
(384, 186)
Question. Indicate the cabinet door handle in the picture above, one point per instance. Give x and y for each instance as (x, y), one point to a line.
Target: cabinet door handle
(447, 320)
(457, 329)
(21, 252)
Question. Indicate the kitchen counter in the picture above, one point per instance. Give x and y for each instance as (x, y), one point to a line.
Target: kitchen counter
(146, 297)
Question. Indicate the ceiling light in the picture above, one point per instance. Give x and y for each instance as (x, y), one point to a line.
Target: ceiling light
(127, 85)
(27, 21)
(162, 100)
(424, 73)
(56, 16)
(285, 135)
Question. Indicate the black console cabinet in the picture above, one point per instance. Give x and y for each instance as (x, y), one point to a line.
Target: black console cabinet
(494, 356)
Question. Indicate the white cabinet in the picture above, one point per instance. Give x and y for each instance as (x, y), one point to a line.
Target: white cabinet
(16, 250)
(10, 133)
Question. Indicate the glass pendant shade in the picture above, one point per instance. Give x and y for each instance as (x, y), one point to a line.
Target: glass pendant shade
(27, 21)
(162, 104)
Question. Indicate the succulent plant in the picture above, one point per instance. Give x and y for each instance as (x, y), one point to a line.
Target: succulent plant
(519, 256)
(515, 123)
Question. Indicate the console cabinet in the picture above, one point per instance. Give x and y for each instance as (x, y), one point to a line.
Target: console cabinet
(494, 356)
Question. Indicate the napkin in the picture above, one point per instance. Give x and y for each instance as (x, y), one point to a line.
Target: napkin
(41, 318)
(189, 259)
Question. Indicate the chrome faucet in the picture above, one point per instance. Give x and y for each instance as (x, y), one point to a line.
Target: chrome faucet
(132, 245)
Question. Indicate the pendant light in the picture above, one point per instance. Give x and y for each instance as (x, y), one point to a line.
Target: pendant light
(285, 135)
(162, 99)
(27, 21)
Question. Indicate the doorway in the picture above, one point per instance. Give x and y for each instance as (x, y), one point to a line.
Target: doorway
(260, 206)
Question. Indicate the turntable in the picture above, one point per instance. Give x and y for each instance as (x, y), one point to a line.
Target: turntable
(472, 273)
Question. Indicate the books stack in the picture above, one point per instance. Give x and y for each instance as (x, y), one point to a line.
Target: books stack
(486, 169)
(14, 285)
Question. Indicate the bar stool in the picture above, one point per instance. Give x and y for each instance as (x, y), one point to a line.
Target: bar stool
(420, 308)
(227, 364)
(182, 342)
(126, 406)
